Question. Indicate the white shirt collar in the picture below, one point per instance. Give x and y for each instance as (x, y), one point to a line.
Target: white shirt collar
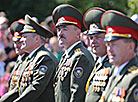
(22, 55)
(118, 70)
(71, 47)
(102, 58)
(31, 54)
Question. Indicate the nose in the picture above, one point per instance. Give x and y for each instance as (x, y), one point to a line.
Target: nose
(109, 48)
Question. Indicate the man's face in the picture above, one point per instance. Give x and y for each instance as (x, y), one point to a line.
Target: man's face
(18, 49)
(117, 51)
(3, 29)
(28, 41)
(97, 44)
(67, 35)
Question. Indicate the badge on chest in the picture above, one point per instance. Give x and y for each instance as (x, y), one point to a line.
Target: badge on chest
(65, 69)
(100, 80)
(117, 95)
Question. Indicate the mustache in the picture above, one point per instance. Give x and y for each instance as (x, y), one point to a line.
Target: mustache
(61, 37)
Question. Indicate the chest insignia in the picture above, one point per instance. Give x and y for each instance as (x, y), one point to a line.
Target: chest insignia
(78, 72)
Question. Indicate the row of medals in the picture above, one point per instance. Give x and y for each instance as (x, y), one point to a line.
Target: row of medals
(100, 80)
(117, 95)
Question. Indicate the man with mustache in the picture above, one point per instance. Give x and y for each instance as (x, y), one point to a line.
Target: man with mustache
(77, 62)
(100, 75)
(121, 41)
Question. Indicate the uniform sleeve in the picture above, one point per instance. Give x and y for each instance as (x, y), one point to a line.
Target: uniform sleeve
(41, 78)
(132, 94)
(10, 96)
(82, 68)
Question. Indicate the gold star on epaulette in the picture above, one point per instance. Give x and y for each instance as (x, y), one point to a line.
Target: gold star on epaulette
(133, 70)
(77, 51)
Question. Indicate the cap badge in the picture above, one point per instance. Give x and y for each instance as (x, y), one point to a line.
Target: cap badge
(110, 30)
(61, 19)
(16, 34)
(93, 26)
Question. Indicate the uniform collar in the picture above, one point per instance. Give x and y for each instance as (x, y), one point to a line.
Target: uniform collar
(31, 54)
(101, 59)
(71, 47)
(118, 70)
(22, 55)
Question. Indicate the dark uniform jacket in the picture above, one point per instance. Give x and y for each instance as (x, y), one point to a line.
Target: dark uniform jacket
(15, 74)
(98, 80)
(123, 87)
(36, 81)
(72, 74)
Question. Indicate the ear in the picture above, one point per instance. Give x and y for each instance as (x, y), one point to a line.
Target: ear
(78, 31)
(37, 38)
(132, 46)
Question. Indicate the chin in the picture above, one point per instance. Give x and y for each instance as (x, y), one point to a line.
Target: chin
(111, 61)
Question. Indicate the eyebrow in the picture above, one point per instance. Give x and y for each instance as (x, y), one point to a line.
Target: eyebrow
(64, 26)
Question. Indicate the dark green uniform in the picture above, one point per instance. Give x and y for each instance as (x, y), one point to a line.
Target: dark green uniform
(36, 82)
(100, 75)
(124, 87)
(98, 80)
(16, 72)
(13, 82)
(123, 83)
(75, 66)
(73, 72)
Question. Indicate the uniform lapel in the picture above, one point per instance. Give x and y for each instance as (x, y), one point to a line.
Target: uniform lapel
(115, 80)
(64, 59)
(97, 66)
(60, 65)
(100, 64)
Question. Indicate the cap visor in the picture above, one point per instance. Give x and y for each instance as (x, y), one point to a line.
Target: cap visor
(111, 38)
(62, 24)
(95, 32)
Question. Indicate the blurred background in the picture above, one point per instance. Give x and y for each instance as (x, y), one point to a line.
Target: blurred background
(41, 11)
(16, 9)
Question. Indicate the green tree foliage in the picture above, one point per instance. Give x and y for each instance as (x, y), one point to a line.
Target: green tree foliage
(133, 5)
(16, 9)
(83, 5)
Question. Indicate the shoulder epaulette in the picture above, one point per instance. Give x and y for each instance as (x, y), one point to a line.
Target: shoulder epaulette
(78, 51)
(133, 69)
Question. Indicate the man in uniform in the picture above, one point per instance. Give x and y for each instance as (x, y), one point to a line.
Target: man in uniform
(15, 29)
(77, 62)
(100, 75)
(36, 81)
(121, 40)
